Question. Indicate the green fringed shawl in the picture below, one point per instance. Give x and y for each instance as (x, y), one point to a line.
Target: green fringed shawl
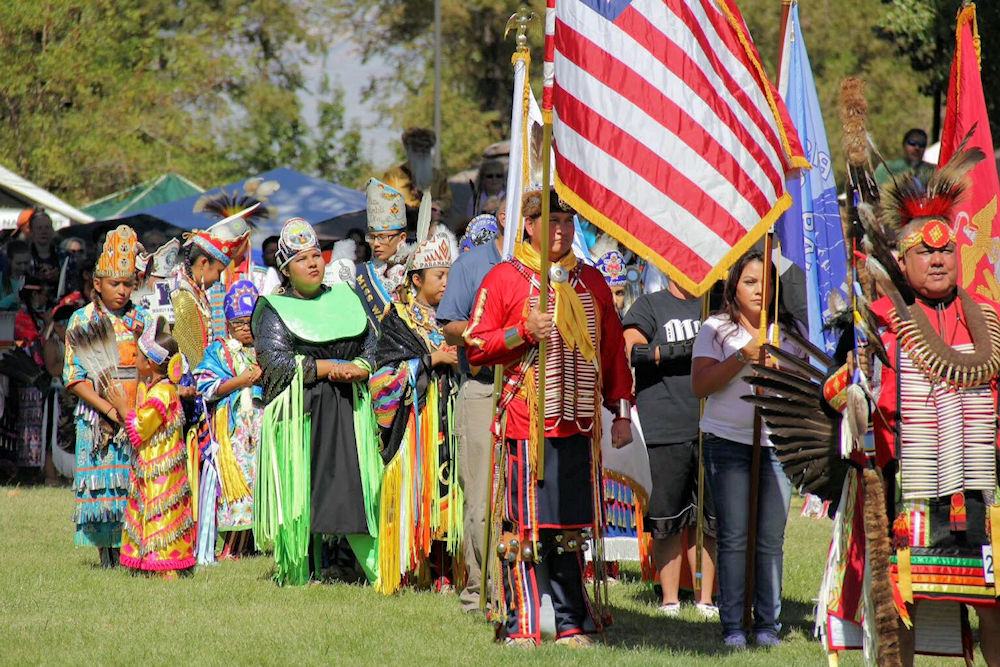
(281, 497)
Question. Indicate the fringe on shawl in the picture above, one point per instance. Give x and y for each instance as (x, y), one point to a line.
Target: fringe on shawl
(281, 498)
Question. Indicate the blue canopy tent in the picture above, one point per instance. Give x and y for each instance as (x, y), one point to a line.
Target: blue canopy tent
(332, 209)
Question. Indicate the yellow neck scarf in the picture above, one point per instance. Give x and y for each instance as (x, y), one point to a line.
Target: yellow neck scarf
(568, 313)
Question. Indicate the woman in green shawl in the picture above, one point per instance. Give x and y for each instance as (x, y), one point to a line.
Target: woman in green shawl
(319, 462)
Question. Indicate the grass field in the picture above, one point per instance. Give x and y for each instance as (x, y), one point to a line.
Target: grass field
(57, 607)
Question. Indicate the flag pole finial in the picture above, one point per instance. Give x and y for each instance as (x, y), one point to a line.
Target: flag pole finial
(520, 21)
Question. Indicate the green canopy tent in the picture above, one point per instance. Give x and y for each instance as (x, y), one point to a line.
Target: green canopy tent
(160, 190)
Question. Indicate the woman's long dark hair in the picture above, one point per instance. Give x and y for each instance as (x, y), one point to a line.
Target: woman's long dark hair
(732, 309)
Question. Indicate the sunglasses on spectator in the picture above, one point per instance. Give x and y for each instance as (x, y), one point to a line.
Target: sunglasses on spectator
(917, 144)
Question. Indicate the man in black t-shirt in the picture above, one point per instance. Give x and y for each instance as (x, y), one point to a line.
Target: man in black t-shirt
(660, 329)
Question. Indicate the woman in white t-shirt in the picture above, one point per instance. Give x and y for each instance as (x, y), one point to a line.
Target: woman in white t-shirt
(725, 346)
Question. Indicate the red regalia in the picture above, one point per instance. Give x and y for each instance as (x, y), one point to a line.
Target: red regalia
(547, 523)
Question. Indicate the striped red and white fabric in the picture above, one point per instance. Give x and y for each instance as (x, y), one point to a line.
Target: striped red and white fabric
(667, 132)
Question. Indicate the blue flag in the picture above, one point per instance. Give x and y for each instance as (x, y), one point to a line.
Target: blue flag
(810, 232)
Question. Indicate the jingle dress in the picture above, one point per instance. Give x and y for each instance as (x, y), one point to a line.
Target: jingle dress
(159, 525)
(102, 464)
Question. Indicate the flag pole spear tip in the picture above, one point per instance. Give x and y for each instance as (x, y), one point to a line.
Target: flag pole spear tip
(520, 21)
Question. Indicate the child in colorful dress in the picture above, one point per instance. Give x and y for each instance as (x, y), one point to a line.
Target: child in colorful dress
(413, 395)
(227, 379)
(159, 527)
(102, 462)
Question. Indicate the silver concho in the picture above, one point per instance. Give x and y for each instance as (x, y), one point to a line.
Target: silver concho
(558, 274)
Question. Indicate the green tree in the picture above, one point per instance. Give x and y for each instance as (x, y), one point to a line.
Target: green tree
(99, 94)
(477, 75)
(478, 80)
(843, 43)
(923, 32)
(338, 148)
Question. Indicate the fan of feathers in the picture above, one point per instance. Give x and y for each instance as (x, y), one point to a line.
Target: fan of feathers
(224, 203)
(804, 430)
(95, 348)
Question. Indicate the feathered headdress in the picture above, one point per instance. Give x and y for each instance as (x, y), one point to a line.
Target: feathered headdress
(225, 239)
(225, 204)
(907, 200)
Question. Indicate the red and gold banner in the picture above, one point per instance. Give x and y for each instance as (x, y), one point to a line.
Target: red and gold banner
(976, 215)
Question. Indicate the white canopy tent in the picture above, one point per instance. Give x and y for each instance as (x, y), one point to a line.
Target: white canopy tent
(18, 193)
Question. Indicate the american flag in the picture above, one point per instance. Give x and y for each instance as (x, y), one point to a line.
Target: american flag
(667, 132)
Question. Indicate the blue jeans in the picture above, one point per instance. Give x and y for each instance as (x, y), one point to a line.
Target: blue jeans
(727, 466)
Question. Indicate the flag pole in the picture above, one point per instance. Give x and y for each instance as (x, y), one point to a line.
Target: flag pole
(699, 532)
(543, 291)
(758, 422)
(751, 553)
(521, 20)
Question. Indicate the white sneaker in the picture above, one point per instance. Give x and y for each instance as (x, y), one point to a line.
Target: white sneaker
(709, 611)
(671, 610)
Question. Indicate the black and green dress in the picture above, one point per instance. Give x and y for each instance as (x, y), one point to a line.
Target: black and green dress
(319, 465)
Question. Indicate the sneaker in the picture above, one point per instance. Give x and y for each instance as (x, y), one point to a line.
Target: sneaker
(767, 639)
(736, 640)
(709, 611)
(578, 641)
(671, 610)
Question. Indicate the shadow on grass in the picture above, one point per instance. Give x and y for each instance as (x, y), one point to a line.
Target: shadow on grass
(633, 630)
(678, 634)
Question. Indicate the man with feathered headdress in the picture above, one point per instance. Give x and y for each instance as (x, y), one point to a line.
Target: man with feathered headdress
(936, 416)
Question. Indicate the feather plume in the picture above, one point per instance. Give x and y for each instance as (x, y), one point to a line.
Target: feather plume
(795, 383)
(424, 217)
(344, 249)
(819, 355)
(791, 405)
(879, 243)
(853, 118)
(900, 300)
(224, 203)
(603, 244)
(879, 550)
(95, 348)
(535, 158)
(908, 199)
(805, 432)
(783, 419)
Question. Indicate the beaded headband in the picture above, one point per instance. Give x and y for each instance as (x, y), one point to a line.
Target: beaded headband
(935, 233)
